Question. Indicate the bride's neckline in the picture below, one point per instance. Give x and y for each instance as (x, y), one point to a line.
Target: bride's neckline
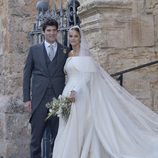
(73, 57)
(75, 52)
(76, 57)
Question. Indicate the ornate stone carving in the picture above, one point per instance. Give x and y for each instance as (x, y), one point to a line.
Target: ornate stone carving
(151, 3)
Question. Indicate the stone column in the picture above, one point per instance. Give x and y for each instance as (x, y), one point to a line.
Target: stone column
(16, 18)
(121, 35)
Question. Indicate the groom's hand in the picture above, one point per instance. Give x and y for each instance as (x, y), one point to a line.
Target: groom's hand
(72, 96)
(28, 106)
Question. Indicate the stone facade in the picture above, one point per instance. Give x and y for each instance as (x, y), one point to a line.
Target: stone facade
(126, 32)
(127, 36)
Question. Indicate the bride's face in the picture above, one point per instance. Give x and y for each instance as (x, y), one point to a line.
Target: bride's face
(74, 38)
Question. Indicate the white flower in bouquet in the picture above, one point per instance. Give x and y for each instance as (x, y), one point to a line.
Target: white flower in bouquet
(59, 112)
(60, 107)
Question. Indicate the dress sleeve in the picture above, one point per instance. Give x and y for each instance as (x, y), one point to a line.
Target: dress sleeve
(84, 81)
(86, 67)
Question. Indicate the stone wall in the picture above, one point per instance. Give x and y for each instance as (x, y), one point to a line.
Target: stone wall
(16, 20)
(126, 32)
(19, 21)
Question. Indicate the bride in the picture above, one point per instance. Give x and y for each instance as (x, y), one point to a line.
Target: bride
(105, 120)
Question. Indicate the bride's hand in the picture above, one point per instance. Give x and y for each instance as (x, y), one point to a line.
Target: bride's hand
(72, 96)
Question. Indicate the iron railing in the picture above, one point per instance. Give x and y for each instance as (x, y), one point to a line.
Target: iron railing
(119, 75)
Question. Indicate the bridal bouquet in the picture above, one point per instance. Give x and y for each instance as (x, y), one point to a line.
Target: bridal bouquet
(59, 107)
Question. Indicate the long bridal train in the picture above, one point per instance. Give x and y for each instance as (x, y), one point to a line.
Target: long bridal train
(105, 121)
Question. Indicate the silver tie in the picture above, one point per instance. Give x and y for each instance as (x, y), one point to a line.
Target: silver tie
(51, 52)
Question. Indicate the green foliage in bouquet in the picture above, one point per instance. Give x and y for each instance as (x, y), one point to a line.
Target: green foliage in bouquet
(60, 107)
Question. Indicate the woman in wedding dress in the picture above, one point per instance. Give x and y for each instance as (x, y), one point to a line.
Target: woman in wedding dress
(105, 120)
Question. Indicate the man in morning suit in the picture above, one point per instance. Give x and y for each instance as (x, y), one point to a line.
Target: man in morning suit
(44, 79)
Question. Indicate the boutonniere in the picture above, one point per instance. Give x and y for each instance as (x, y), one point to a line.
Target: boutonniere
(64, 51)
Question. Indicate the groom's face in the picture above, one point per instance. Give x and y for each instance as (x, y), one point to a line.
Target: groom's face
(50, 34)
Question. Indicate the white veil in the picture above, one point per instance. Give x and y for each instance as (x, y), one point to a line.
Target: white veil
(105, 120)
(133, 127)
(147, 113)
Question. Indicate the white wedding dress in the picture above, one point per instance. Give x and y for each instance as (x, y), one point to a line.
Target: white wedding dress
(105, 121)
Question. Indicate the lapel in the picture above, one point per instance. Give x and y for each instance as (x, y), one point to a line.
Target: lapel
(42, 58)
(60, 54)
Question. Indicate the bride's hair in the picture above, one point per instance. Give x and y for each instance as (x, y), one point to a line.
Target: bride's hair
(76, 29)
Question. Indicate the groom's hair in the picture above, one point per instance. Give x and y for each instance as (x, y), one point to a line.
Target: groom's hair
(49, 22)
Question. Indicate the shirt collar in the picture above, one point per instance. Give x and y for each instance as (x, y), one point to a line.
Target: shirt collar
(48, 44)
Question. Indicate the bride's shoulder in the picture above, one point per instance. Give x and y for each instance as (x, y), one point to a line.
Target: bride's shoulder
(85, 63)
(70, 54)
(87, 58)
(78, 57)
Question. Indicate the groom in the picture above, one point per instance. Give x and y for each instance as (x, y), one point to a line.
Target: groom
(43, 72)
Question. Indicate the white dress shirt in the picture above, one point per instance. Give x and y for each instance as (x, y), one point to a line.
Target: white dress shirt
(47, 45)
